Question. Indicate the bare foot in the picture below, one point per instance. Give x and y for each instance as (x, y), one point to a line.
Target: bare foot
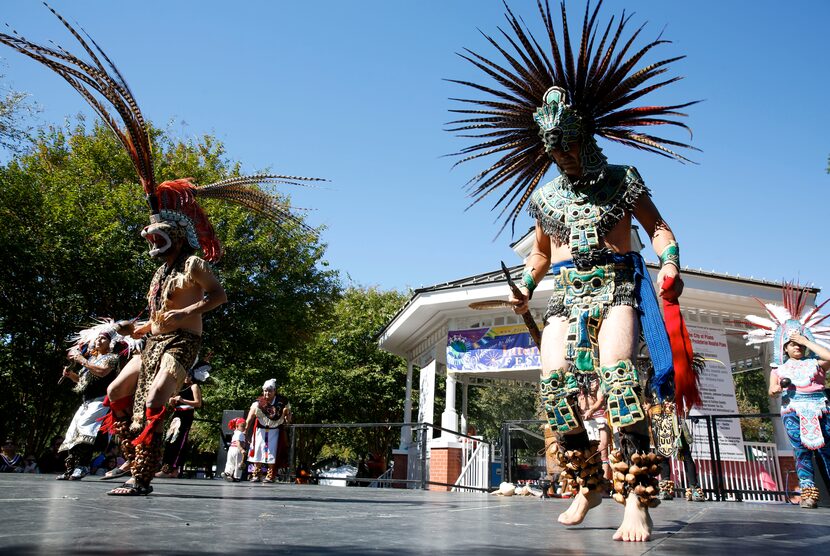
(637, 524)
(579, 507)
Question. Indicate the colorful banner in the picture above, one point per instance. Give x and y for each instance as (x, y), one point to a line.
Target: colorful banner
(493, 348)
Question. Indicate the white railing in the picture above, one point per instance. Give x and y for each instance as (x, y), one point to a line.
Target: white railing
(760, 472)
(379, 482)
(475, 466)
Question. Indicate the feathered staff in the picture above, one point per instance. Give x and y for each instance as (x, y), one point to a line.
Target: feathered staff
(601, 83)
(105, 89)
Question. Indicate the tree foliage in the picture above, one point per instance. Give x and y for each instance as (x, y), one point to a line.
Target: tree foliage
(489, 407)
(71, 251)
(345, 378)
(15, 110)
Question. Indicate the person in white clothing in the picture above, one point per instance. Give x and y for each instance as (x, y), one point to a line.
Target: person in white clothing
(236, 453)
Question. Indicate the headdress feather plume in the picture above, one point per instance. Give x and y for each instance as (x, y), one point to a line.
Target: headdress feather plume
(601, 78)
(106, 91)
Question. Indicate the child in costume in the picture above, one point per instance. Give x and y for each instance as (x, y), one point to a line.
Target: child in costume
(236, 453)
(800, 360)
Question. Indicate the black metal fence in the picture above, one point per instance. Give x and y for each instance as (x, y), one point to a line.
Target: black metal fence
(722, 479)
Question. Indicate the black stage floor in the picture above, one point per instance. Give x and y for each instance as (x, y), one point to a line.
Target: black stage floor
(39, 515)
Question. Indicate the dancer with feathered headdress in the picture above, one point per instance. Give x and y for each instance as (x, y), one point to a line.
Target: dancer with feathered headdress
(184, 287)
(543, 106)
(800, 361)
(94, 365)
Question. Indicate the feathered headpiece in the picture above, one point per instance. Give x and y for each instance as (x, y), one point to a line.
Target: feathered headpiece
(200, 371)
(543, 98)
(171, 202)
(83, 341)
(793, 316)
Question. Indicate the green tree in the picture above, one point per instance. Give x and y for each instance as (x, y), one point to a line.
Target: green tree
(15, 109)
(345, 378)
(489, 407)
(72, 212)
(751, 394)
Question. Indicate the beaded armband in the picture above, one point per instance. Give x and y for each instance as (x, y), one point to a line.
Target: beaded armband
(528, 282)
(671, 255)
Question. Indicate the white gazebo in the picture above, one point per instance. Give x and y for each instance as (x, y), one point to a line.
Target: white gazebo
(713, 305)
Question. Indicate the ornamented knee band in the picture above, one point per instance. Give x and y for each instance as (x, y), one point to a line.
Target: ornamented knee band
(581, 464)
(621, 385)
(671, 255)
(639, 477)
(558, 393)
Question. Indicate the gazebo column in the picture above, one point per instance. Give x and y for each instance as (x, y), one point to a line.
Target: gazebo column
(465, 388)
(400, 457)
(406, 430)
(445, 452)
(449, 418)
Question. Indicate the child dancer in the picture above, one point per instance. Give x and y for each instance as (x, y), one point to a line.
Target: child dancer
(236, 453)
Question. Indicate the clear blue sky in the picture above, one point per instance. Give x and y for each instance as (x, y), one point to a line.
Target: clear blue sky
(354, 92)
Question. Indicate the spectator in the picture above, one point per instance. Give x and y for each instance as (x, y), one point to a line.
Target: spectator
(10, 460)
(30, 464)
(50, 461)
(266, 419)
(184, 404)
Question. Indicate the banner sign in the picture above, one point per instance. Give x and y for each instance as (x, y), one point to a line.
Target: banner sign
(717, 390)
(492, 348)
(426, 390)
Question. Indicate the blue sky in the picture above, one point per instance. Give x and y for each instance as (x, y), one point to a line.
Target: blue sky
(354, 92)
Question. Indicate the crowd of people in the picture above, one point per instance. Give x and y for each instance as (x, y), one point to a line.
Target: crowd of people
(101, 455)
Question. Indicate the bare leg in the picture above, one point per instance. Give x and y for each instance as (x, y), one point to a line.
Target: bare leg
(604, 441)
(617, 342)
(126, 381)
(553, 357)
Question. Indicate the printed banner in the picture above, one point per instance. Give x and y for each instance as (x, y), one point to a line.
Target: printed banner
(717, 389)
(426, 390)
(492, 348)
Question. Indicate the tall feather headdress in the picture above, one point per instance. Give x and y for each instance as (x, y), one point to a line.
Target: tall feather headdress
(793, 315)
(601, 81)
(103, 86)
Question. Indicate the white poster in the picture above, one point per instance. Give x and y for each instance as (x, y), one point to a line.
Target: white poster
(426, 400)
(717, 390)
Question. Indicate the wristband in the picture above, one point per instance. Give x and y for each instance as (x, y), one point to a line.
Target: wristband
(671, 255)
(528, 282)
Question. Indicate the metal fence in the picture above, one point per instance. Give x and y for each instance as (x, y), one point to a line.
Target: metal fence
(758, 478)
(417, 473)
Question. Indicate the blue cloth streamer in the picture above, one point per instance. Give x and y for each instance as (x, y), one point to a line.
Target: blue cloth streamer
(651, 321)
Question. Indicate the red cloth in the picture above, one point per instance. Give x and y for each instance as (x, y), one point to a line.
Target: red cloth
(686, 391)
(108, 420)
(152, 416)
